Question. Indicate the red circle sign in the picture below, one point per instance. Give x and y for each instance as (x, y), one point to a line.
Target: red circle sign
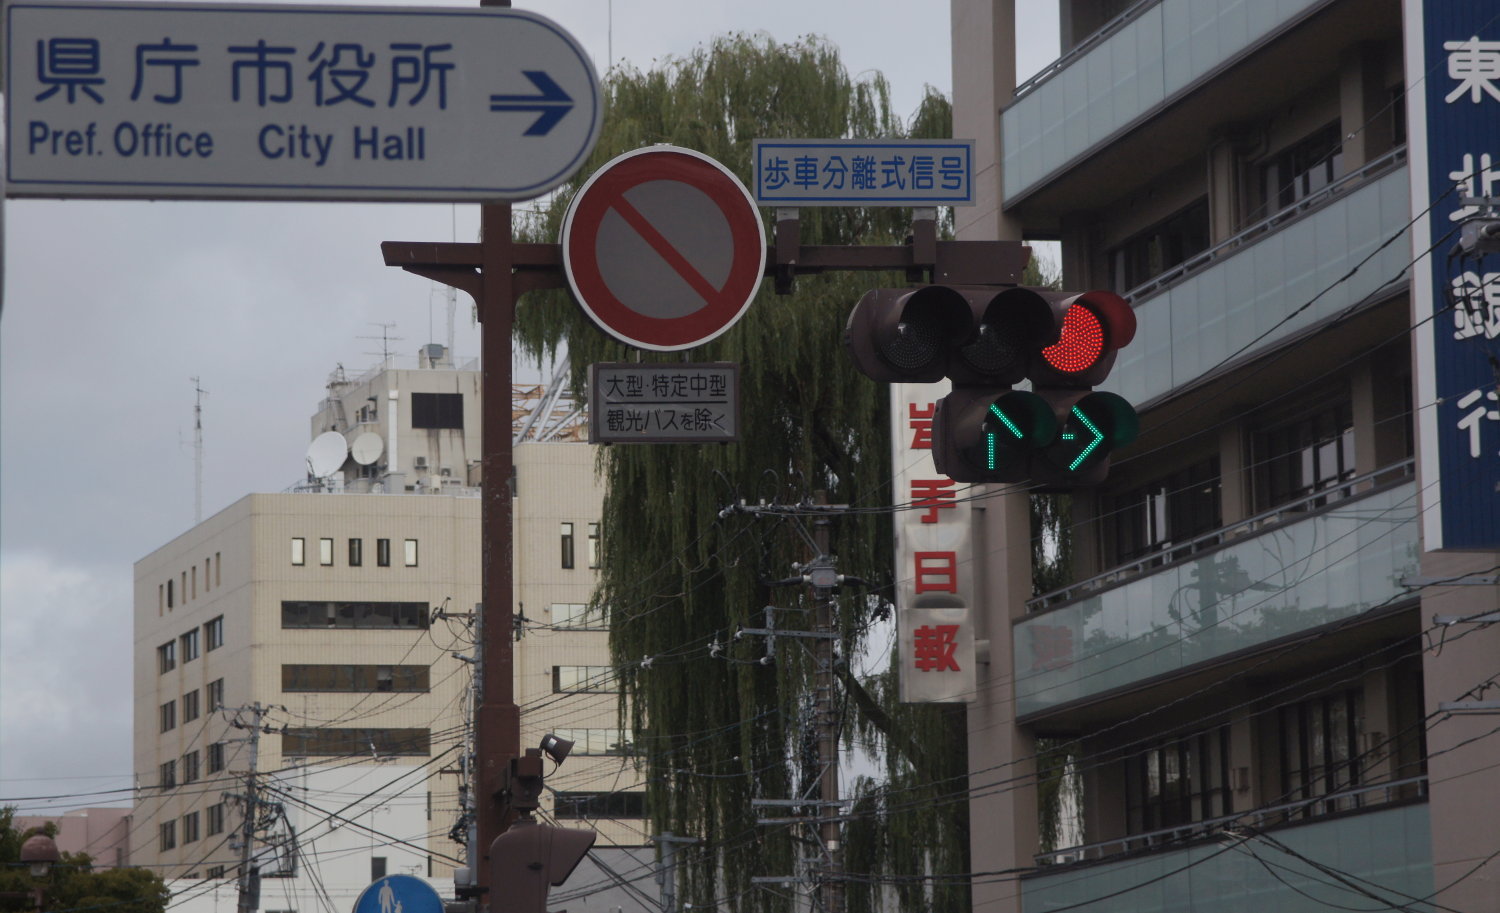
(663, 248)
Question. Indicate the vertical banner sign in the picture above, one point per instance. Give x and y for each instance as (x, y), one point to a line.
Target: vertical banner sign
(934, 560)
(1453, 99)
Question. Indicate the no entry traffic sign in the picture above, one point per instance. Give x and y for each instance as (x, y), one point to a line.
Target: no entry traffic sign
(663, 248)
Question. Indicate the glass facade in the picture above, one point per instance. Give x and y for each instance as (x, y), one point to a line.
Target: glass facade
(1389, 847)
(1127, 76)
(1252, 295)
(1330, 566)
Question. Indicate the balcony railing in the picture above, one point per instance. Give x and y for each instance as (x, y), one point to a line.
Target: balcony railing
(1314, 201)
(1083, 47)
(1291, 511)
(1345, 800)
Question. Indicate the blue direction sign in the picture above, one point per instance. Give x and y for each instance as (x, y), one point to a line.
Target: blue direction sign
(399, 894)
(1453, 65)
(293, 102)
(835, 172)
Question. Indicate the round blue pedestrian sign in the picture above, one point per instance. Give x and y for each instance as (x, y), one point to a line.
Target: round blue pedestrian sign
(399, 894)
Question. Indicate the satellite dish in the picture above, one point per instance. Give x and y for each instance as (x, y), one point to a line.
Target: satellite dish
(366, 448)
(326, 454)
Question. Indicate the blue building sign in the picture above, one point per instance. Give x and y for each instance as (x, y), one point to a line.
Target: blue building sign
(1453, 76)
(835, 172)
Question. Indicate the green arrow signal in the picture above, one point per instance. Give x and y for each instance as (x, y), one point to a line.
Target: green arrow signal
(990, 457)
(1092, 445)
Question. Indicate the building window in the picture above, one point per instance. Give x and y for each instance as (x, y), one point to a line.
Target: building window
(190, 706)
(297, 614)
(377, 868)
(218, 568)
(567, 545)
(1302, 169)
(599, 805)
(437, 410)
(189, 827)
(593, 545)
(167, 774)
(215, 823)
(215, 691)
(195, 581)
(1320, 751)
(354, 678)
(169, 835)
(299, 551)
(161, 598)
(411, 553)
(208, 576)
(326, 742)
(383, 552)
(168, 716)
(1160, 247)
(190, 646)
(214, 758)
(597, 741)
(214, 871)
(1177, 782)
(584, 680)
(213, 633)
(169, 593)
(325, 552)
(1167, 511)
(356, 552)
(166, 657)
(577, 616)
(1309, 454)
(190, 767)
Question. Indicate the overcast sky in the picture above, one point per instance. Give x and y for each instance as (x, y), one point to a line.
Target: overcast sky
(111, 307)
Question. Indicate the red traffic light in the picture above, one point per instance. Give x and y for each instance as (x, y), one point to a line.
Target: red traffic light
(1093, 325)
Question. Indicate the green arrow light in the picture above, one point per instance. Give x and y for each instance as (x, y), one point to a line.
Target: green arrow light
(990, 460)
(1098, 439)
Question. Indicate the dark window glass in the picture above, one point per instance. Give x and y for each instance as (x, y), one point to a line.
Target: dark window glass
(213, 633)
(356, 552)
(1160, 247)
(215, 759)
(190, 706)
(383, 552)
(168, 716)
(1320, 751)
(1167, 511)
(299, 614)
(354, 678)
(1302, 169)
(190, 767)
(215, 691)
(593, 545)
(169, 835)
(326, 742)
(1312, 453)
(599, 805)
(166, 657)
(169, 594)
(377, 868)
(437, 410)
(215, 823)
(167, 774)
(1177, 782)
(566, 532)
(584, 680)
(190, 646)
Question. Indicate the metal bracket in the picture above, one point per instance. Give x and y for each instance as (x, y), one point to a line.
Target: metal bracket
(1469, 706)
(1488, 580)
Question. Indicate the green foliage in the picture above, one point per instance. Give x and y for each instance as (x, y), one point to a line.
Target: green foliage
(73, 886)
(718, 732)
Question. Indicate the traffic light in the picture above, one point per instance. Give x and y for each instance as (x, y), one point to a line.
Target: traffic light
(986, 339)
(1090, 425)
(530, 857)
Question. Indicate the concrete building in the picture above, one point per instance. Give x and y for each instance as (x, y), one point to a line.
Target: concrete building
(323, 639)
(102, 833)
(1244, 673)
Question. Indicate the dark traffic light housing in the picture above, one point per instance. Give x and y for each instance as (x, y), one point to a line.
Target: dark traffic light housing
(986, 339)
(528, 859)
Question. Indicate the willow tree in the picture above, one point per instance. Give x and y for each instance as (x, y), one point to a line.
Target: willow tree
(716, 726)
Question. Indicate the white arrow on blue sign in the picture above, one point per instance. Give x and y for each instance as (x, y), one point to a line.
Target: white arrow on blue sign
(292, 102)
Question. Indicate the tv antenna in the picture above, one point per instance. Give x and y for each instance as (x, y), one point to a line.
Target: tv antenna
(385, 338)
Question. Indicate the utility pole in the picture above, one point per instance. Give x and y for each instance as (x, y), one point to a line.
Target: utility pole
(249, 881)
(666, 874)
(824, 578)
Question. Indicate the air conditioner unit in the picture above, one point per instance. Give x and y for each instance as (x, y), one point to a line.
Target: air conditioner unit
(446, 471)
(420, 463)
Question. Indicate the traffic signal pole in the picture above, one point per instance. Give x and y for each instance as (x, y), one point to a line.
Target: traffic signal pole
(495, 272)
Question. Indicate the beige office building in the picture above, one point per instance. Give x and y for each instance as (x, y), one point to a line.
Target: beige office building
(339, 618)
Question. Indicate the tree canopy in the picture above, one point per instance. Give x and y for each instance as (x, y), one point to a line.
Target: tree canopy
(74, 885)
(717, 727)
